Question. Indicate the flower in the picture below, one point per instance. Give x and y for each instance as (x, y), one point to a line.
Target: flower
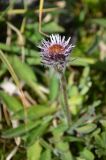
(54, 52)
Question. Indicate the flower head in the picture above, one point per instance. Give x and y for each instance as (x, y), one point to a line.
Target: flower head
(54, 52)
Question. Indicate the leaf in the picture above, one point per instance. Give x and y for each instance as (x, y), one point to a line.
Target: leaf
(100, 65)
(35, 112)
(79, 122)
(37, 132)
(103, 122)
(63, 151)
(20, 130)
(34, 151)
(73, 139)
(103, 134)
(46, 155)
(61, 147)
(22, 70)
(14, 49)
(33, 61)
(100, 144)
(86, 72)
(73, 91)
(100, 140)
(99, 21)
(86, 128)
(54, 87)
(52, 27)
(11, 102)
(60, 129)
(85, 61)
(9, 48)
(87, 154)
(79, 158)
(81, 61)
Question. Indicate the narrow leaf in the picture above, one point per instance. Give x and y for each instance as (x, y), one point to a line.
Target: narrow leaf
(11, 102)
(22, 129)
(34, 151)
(86, 129)
(46, 155)
(37, 132)
(35, 112)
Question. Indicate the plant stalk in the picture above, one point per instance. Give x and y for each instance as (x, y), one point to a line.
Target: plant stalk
(63, 90)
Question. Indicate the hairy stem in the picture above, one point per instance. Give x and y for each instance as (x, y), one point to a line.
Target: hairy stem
(63, 90)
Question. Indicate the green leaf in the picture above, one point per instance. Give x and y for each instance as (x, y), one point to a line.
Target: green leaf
(103, 134)
(73, 91)
(46, 155)
(54, 87)
(79, 122)
(25, 73)
(86, 128)
(62, 149)
(60, 129)
(11, 102)
(101, 140)
(22, 70)
(52, 27)
(33, 61)
(73, 139)
(81, 61)
(34, 151)
(87, 154)
(38, 132)
(22, 129)
(9, 48)
(99, 21)
(103, 122)
(79, 158)
(35, 112)
(14, 49)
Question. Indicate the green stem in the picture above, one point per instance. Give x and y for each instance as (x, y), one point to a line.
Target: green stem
(63, 90)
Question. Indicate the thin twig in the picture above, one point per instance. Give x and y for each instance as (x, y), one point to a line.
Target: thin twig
(16, 80)
(40, 18)
(12, 153)
(23, 11)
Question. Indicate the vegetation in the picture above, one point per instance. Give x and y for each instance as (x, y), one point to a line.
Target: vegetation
(32, 121)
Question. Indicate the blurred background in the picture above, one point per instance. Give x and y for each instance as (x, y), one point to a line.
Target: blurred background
(32, 124)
